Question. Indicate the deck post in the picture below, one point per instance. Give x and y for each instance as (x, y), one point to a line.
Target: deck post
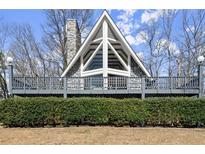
(37, 85)
(158, 84)
(143, 88)
(105, 83)
(78, 83)
(81, 83)
(200, 76)
(116, 83)
(24, 84)
(50, 84)
(128, 83)
(65, 87)
(171, 84)
(185, 82)
(10, 72)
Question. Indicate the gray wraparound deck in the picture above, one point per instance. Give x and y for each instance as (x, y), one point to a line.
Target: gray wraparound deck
(110, 85)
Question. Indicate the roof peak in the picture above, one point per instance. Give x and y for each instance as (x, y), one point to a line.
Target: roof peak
(107, 18)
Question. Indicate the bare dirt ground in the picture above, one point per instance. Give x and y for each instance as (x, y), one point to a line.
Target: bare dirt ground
(101, 135)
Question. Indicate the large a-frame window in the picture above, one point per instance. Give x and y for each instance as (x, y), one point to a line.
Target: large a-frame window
(105, 54)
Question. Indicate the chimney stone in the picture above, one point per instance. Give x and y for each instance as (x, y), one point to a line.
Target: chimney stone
(73, 39)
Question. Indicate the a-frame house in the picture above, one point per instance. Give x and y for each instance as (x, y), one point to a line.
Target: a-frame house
(104, 64)
(105, 53)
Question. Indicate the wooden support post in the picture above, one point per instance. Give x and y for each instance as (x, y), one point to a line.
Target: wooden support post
(143, 88)
(65, 87)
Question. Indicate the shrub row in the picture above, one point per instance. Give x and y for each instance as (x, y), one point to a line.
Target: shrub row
(51, 111)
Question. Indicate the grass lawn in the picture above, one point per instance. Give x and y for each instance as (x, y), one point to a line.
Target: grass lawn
(101, 135)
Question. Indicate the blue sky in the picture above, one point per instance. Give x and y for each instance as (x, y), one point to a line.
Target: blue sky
(33, 17)
(36, 18)
(128, 21)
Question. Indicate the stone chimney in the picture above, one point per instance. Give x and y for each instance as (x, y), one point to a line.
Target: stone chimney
(74, 39)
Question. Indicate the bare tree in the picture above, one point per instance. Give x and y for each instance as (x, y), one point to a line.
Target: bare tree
(27, 52)
(3, 84)
(168, 17)
(154, 45)
(192, 40)
(175, 50)
(4, 36)
(55, 39)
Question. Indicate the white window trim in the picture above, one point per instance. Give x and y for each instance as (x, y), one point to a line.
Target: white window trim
(118, 72)
(92, 72)
(97, 40)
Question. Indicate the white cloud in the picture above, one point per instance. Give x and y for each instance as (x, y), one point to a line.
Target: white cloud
(126, 21)
(150, 16)
(126, 28)
(177, 52)
(127, 15)
(190, 29)
(136, 25)
(140, 55)
(173, 48)
(163, 44)
(141, 37)
(109, 11)
(131, 39)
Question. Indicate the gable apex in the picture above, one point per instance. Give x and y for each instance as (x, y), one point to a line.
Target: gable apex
(114, 32)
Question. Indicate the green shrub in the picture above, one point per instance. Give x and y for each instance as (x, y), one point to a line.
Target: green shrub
(52, 111)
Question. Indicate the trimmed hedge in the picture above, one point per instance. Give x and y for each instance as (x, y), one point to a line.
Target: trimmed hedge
(51, 111)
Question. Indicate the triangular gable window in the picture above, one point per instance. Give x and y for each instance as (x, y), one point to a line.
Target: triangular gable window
(113, 61)
(93, 59)
(96, 62)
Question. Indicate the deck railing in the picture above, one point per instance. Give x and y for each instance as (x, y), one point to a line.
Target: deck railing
(141, 85)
